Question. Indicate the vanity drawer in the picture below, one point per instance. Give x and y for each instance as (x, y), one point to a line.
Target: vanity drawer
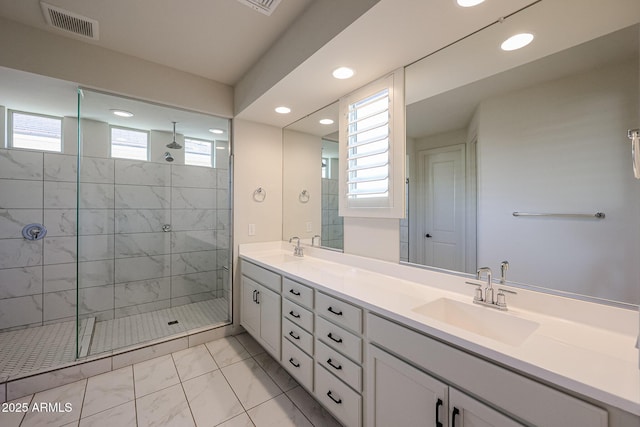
(344, 403)
(261, 275)
(340, 366)
(298, 315)
(298, 292)
(339, 339)
(297, 335)
(339, 312)
(298, 364)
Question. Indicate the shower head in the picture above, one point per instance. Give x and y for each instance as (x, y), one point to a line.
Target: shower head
(174, 145)
(168, 157)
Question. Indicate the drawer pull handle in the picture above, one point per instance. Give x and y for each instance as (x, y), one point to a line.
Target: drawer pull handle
(338, 340)
(455, 412)
(439, 403)
(297, 365)
(337, 313)
(257, 297)
(338, 367)
(294, 314)
(296, 293)
(338, 401)
(294, 336)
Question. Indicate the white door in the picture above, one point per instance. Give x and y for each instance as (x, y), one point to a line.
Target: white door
(270, 320)
(465, 411)
(249, 308)
(441, 207)
(401, 395)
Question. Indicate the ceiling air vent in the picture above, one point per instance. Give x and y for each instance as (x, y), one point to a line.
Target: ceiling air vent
(70, 22)
(264, 6)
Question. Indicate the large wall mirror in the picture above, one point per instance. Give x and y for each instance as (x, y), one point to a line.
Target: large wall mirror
(489, 150)
(310, 183)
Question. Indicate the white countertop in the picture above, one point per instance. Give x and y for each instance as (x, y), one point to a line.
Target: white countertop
(580, 346)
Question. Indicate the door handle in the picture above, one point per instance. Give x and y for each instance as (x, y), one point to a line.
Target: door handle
(428, 236)
(439, 403)
(455, 412)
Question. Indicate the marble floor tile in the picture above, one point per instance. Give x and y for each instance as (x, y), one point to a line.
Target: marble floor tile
(14, 416)
(155, 374)
(108, 390)
(311, 408)
(164, 408)
(241, 420)
(250, 382)
(278, 412)
(227, 351)
(211, 399)
(250, 344)
(121, 416)
(193, 362)
(276, 371)
(71, 394)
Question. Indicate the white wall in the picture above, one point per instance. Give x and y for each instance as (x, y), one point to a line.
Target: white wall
(562, 147)
(257, 162)
(302, 159)
(372, 237)
(36, 51)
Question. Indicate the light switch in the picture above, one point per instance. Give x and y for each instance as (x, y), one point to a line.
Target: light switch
(252, 229)
(309, 228)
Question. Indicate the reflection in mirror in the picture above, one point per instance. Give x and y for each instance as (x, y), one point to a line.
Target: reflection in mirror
(310, 187)
(547, 137)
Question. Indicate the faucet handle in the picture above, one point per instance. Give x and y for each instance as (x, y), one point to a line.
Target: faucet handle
(478, 294)
(501, 300)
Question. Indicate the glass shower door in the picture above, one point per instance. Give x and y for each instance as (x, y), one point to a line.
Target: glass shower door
(153, 223)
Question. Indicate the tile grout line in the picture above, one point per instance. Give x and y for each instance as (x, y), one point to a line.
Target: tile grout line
(184, 393)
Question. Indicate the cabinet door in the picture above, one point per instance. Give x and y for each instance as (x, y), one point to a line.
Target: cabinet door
(401, 395)
(270, 320)
(468, 412)
(249, 307)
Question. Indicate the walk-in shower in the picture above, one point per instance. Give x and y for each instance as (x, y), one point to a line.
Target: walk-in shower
(137, 246)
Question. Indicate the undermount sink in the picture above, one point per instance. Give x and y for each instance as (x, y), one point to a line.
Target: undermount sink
(484, 321)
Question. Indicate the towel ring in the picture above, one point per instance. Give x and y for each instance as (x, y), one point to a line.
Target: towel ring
(304, 196)
(259, 194)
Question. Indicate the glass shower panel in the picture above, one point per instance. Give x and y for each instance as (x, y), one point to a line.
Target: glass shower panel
(153, 230)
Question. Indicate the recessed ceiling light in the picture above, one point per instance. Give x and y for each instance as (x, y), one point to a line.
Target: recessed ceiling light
(283, 110)
(516, 42)
(122, 113)
(216, 131)
(469, 3)
(326, 122)
(343, 73)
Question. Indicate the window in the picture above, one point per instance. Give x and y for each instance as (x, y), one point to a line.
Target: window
(35, 131)
(372, 148)
(129, 143)
(197, 152)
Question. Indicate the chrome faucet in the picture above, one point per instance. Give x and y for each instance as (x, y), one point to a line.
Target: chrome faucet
(488, 299)
(297, 249)
(313, 239)
(488, 291)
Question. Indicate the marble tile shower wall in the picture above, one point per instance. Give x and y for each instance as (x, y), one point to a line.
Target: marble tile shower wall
(127, 264)
(332, 225)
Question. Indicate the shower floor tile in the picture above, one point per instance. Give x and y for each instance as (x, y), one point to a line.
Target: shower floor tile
(46, 347)
(139, 328)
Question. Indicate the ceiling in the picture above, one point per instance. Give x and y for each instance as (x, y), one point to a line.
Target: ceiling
(223, 39)
(216, 39)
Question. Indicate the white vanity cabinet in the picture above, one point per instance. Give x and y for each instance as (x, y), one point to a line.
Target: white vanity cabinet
(368, 370)
(297, 331)
(338, 372)
(402, 395)
(506, 395)
(260, 306)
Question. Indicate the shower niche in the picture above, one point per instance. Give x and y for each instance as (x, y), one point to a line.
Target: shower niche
(137, 248)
